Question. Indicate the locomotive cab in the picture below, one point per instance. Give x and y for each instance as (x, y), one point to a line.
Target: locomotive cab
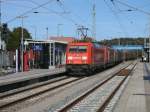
(78, 56)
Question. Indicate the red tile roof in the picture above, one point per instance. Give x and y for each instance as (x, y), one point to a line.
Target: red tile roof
(65, 39)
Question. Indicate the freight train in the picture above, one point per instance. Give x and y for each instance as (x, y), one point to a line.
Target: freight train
(87, 57)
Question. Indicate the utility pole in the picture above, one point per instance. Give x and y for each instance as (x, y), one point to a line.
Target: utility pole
(22, 40)
(22, 49)
(94, 21)
(1, 20)
(1, 33)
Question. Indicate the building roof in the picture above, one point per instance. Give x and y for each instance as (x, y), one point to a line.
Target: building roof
(45, 41)
(65, 39)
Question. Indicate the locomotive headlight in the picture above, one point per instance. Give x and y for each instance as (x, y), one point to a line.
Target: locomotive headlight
(84, 58)
(69, 57)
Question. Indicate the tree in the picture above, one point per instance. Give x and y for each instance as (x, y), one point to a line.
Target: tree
(123, 41)
(15, 38)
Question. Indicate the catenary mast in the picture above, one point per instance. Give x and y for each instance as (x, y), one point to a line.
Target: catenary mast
(94, 21)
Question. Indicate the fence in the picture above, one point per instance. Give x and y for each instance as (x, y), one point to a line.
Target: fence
(6, 59)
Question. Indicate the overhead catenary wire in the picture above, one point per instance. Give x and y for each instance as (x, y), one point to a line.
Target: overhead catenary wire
(30, 11)
(61, 14)
(49, 10)
(121, 10)
(52, 11)
(61, 5)
(66, 9)
(14, 4)
(93, 26)
(118, 8)
(132, 7)
(117, 18)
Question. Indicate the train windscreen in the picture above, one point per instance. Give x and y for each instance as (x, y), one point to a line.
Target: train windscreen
(78, 49)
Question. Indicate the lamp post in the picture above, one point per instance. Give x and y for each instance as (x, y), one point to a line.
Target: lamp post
(47, 33)
(1, 32)
(22, 43)
(35, 31)
(0, 19)
(58, 29)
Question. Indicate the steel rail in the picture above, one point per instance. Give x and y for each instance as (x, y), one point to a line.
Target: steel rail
(101, 109)
(22, 89)
(36, 94)
(80, 98)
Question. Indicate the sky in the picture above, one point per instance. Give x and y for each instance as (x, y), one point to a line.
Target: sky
(113, 19)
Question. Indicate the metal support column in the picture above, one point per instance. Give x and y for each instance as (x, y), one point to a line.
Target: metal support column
(54, 54)
(149, 50)
(50, 55)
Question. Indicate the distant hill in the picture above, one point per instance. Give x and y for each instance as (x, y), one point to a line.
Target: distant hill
(123, 41)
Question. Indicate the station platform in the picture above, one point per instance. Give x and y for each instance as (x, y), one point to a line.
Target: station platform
(32, 74)
(136, 95)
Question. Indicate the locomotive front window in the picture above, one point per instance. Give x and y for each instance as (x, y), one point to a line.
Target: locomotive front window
(73, 49)
(78, 49)
(82, 48)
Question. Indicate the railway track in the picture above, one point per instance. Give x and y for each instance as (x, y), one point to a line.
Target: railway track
(19, 96)
(98, 97)
(32, 86)
(12, 99)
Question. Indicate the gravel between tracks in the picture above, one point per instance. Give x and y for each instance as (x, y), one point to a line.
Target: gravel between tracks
(92, 102)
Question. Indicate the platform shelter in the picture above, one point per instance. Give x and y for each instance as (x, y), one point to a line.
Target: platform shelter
(47, 53)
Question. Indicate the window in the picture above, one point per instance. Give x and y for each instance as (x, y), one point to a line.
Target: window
(96, 45)
(73, 49)
(82, 48)
(78, 49)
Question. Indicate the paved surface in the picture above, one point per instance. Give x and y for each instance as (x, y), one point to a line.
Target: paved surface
(4, 72)
(135, 97)
(22, 76)
(147, 85)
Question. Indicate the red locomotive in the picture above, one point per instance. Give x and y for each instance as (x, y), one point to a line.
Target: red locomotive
(88, 56)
